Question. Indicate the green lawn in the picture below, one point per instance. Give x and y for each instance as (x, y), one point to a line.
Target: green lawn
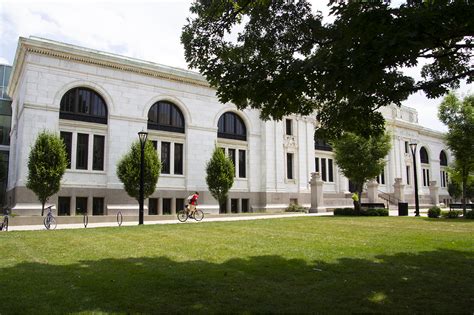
(304, 265)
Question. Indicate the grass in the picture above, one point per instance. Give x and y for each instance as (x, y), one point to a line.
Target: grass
(297, 265)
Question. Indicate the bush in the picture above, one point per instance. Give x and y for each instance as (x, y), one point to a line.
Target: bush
(375, 212)
(365, 212)
(295, 208)
(470, 215)
(344, 211)
(451, 214)
(434, 212)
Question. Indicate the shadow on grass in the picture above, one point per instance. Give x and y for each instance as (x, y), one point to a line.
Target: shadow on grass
(438, 281)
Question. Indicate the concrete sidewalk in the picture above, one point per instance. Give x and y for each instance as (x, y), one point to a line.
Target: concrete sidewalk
(213, 218)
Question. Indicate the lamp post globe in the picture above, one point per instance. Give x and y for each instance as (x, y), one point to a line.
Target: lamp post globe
(142, 135)
(417, 203)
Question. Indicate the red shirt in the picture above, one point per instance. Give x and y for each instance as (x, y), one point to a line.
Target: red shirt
(194, 199)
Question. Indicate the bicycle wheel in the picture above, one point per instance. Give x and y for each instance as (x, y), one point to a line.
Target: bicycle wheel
(52, 223)
(182, 215)
(85, 220)
(119, 218)
(5, 224)
(198, 215)
(46, 222)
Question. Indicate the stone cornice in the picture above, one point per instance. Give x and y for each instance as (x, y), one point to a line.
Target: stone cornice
(96, 58)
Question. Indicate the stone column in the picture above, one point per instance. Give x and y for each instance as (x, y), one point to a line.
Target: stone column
(239, 205)
(434, 193)
(372, 191)
(160, 206)
(317, 199)
(173, 206)
(399, 190)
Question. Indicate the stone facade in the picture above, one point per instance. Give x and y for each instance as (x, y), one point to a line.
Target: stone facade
(44, 71)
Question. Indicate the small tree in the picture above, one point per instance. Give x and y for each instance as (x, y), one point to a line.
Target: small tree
(459, 117)
(220, 176)
(128, 170)
(46, 166)
(361, 159)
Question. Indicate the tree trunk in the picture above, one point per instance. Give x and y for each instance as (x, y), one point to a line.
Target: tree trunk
(42, 207)
(464, 184)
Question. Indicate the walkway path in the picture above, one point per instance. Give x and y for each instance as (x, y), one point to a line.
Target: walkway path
(211, 218)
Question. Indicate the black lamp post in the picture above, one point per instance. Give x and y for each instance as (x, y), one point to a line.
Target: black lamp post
(142, 135)
(417, 204)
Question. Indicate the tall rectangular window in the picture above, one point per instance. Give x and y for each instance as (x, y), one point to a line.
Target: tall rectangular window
(67, 139)
(234, 205)
(323, 170)
(153, 206)
(82, 151)
(406, 147)
(232, 156)
(97, 206)
(242, 164)
(98, 154)
(178, 158)
(289, 129)
(316, 164)
(245, 205)
(81, 205)
(179, 204)
(165, 157)
(330, 171)
(64, 205)
(289, 165)
(166, 205)
(155, 144)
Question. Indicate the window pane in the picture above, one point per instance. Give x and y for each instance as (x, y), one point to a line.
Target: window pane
(289, 130)
(178, 158)
(242, 164)
(98, 156)
(234, 204)
(84, 101)
(179, 204)
(245, 205)
(64, 205)
(164, 114)
(382, 177)
(323, 169)
(166, 205)
(232, 156)
(81, 205)
(98, 206)
(67, 139)
(408, 175)
(153, 114)
(316, 164)
(330, 172)
(165, 157)
(289, 165)
(153, 206)
(82, 151)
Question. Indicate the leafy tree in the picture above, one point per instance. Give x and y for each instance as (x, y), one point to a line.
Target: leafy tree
(459, 117)
(220, 176)
(360, 158)
(46, 166)
(285, 60)
(128, 170)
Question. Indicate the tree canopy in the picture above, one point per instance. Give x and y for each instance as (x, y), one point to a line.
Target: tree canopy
(360, 158)
(459, 117)
(220, 176)
(47, 163)
(284, 60)
(128, 170)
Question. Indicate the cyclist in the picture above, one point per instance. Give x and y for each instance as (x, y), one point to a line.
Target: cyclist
(192, 203)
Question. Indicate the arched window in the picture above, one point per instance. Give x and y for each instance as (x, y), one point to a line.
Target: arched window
(231, 126)
(424, 156)
(83, 104)
(443, 160)
(165, 116)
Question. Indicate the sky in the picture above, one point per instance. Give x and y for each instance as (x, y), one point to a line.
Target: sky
(144, 29)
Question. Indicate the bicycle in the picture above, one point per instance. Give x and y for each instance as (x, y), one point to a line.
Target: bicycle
(4, 223)
(50, 221)
(184, 214)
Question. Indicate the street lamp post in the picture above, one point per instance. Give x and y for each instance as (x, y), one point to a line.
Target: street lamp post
(417, 204)
(142, 135)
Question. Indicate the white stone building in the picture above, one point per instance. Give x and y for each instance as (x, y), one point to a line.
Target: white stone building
(100, 101)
